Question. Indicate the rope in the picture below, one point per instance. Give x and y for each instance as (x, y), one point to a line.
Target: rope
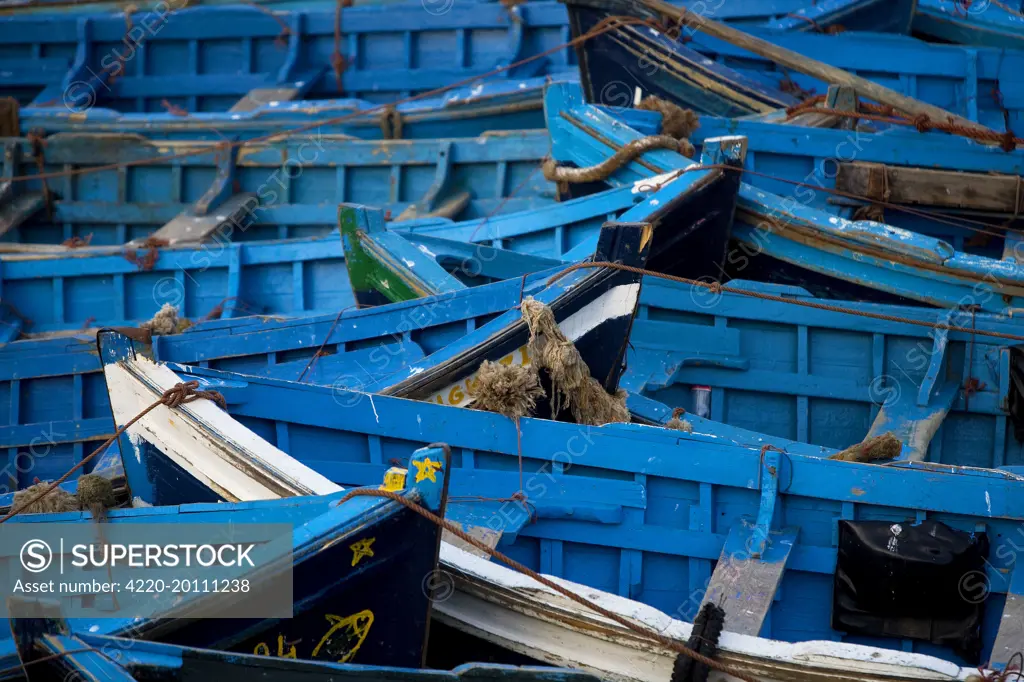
(601, 28)
(720, 288)
(147, 261)
(320, 351)
(173, 109)
(888, 114)
(601, 171)
(77, 242)
(281, 39)
(641, 630)
(339, 62)
(176, 396)
(218, 309)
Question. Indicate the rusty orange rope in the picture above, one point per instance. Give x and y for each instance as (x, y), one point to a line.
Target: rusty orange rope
(641, 630)
(339, 62)
(922, 122)
(175, 396)
(602, 27)
(286, 31)
(720, 288)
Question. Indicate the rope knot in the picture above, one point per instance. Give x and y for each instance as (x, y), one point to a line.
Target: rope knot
(187, 392)
(147, 261)
(922, 123)
(77, 242)
(1009, 141)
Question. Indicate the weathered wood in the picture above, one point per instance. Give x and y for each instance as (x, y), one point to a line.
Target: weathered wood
(10, 125)
(187, 228)
(257, 97)
(1011, 623)
(18, 209)
(840, 97)
(925, 186)
(810, 67)
(745, 585)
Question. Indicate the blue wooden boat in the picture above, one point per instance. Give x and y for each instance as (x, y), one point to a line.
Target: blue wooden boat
(830, 16)
(594, 308)
(992, 24)
(340, 607)
(42, 369)
(73, 290)
(235, 57)
(85, 288)
(736, 345)
(981, 84)
(927, 188)
(633, 60)
(18, 7)
(926, 385)
(126, 660)
(57, 405)
(128, 188)
(833, 378)
(804, 245)
(637, 511)
(503, 104)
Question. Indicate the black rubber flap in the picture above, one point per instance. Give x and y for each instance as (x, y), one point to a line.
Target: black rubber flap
(904, 580)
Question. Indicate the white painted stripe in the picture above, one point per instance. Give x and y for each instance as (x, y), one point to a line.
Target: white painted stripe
(619, 301)
(193, 444)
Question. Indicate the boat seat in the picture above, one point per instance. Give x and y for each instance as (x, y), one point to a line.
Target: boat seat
(16, 207)
(914, 413)
(753, 559)
(259, 97)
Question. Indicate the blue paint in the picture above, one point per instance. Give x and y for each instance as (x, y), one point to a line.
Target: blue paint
(299, 182)
(991, 25)
(859, 255)
(204, 59)
(811, 491)
(125, 660)
(325, 578)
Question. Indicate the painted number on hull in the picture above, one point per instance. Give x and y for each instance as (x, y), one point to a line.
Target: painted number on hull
(461, 394)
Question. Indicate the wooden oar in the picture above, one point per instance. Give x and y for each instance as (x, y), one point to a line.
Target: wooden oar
(811, 67)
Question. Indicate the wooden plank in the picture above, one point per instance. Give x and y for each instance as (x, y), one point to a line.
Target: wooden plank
(811, 67)
(196, 228)
(1011, 623)
(257, 97)
(19, 209)
(745, 586)
(925, 186)
(912, 423)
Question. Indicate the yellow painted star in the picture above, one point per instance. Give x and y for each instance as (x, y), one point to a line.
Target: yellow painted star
(426, 469)
(361, 549)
